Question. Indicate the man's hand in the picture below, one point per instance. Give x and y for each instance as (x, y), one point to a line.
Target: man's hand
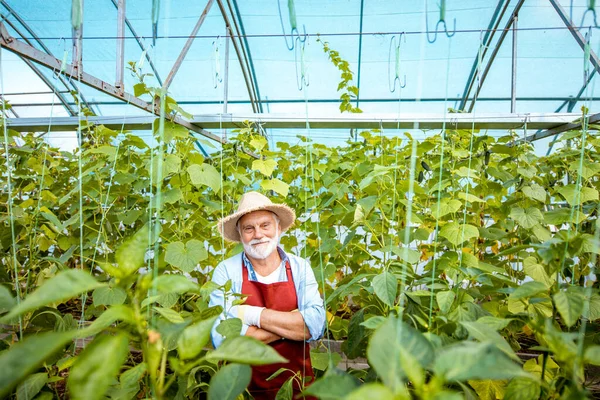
(262, 335)
(289, 325)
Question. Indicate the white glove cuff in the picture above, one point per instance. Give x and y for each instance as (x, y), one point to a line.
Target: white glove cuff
(252, 315)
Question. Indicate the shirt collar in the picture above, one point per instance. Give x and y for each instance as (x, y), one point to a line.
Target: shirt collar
(248, 264)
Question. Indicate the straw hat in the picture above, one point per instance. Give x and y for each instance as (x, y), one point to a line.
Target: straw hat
(254, 201)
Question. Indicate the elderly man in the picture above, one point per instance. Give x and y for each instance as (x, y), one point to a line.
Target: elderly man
(284, 308)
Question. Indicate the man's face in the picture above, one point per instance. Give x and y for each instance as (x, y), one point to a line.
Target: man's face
(259, 232)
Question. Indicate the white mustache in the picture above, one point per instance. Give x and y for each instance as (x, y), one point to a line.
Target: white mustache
(259, 241)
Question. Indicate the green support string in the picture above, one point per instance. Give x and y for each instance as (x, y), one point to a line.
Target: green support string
(439, 191)
(11, 215)
(76, 13)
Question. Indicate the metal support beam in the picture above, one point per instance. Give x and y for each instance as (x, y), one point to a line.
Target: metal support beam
(574, 125)
(298, 121)
(238, 47)
(513, 81)
(34, 68)
(487, 39)
(141, 44)
(187, 45)
(33, 54)
(120, 44)
(576, 34)
(488, 66)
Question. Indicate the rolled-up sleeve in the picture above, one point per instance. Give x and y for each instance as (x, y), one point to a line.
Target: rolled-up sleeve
(310, 303)
(217, 298)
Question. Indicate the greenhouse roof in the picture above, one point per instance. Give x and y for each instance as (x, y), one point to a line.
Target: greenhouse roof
(244, 58)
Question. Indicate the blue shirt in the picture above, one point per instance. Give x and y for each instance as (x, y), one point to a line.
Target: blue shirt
(310, 304)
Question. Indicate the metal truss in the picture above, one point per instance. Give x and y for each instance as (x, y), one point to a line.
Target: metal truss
(298, 121)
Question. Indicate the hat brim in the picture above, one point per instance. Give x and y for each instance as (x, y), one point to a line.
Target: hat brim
(228, 225)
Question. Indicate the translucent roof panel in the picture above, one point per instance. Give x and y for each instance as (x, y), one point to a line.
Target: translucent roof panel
(381, 40)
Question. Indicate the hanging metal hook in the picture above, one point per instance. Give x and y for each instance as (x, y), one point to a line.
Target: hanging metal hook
(392, 83)
(586, 55)
(302, 79)
(591, 7)
(295, 35)
(441, 21)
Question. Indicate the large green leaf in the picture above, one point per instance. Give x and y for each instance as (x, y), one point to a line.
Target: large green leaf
(276, 185)
(377, 391)
(107, 318)
(527, 218)
(535, 192)
(528, 289)
(385, 286)
(7, 301)
(26, 356)
(130, 254)
(592, 355)
(444, 207)
(265, 167)
(332, 387)
(445, 300)
(356, 335)
(246, 350)
(488, 389)
(230, 327)
(194, 337)
(186, 257)
(63, 286)
(575, 197)
(169, 314)
(522, 389)
(229, 382)
(174, 284)
(457, 233)
(108, 296)
(97, 366)
(31, 386)
(386, 345)
(205, 174)
(484, 333)
(537, 271)
(407, 254)
(475, 361)
(569, 305)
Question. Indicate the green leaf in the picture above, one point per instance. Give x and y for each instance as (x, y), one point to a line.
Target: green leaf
(562, 215)
(173, 130)
(107, 318)
(576, 197)
(320, 360)
(229, 382)
(97, 366)
(265, 167)
(108, 296)
(130, 254)
(484, 333)
(386, 345)
(186, 257)
(537, 271)
(471, 198)
(332, 387)
(356, 335)
(522, 389)
(406, 254)
(63, 286)
(592, 355)
(24, 357)
(194, 337)
(488, 389)
(139, 89)
(374, 391)
(495, 323)
(444, 207)
(528, 289)
(276, 185)
(541, 233)
(535, 192)
(246, 350)
(374, 322)
(359, 215)
(31, 386)
(457, 233)
(258, 142)
(174, 284)
(170, 315)
(205, 174)
(527, 218)
(475, 361)
(230, 327)
(286, 392)
(7, 301)
(569, 305)
(445, 300)
(385, 286)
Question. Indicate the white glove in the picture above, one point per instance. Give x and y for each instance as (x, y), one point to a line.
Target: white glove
(250, 315)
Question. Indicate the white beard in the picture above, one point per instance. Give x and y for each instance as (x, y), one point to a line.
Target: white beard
(261, 252)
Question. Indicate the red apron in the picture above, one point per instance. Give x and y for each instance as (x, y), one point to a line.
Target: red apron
(278, 296)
